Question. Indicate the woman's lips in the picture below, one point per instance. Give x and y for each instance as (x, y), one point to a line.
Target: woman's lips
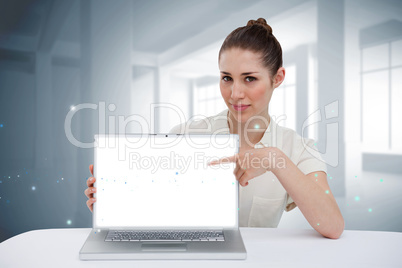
(240, 107)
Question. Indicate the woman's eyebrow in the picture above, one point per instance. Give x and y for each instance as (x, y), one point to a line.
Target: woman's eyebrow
(241, 74)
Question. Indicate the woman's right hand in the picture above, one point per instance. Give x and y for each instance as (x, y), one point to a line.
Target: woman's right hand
(89, 192)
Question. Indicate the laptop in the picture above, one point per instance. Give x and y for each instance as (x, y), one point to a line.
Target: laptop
(157, 198)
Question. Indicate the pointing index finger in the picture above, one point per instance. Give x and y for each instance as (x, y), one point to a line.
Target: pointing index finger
(223, 160)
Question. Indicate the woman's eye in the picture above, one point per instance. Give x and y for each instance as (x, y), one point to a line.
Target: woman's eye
(226, 78)
(250, 78)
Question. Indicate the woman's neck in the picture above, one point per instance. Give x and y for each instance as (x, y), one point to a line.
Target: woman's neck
(249, 132)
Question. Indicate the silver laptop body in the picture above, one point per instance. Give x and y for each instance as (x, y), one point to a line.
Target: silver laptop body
(158, 199)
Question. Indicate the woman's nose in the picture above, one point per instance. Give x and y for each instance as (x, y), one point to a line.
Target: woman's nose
(237, 91)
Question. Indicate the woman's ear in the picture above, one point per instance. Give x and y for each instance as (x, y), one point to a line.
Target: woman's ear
(279, 77)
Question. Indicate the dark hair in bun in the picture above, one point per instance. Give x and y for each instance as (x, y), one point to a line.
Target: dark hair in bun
(261, 22)
(257, 36)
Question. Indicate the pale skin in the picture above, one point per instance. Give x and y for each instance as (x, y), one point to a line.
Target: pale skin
(245, 81)
(89, 192)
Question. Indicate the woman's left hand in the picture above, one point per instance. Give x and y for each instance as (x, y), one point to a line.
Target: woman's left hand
(252, 163)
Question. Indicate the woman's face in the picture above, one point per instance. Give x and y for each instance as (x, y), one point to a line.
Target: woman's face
(245, 84)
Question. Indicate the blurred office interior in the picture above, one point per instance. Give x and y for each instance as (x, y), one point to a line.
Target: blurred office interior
(343, 88)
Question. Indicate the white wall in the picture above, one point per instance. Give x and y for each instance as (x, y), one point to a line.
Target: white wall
(142, 96)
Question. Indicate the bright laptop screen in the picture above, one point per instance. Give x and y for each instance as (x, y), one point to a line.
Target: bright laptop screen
(159, 181)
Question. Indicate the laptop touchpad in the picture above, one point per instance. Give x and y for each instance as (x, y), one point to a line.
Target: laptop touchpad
(164, 247)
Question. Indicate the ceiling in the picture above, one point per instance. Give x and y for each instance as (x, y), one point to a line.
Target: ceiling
(157, 25)
(160, 25)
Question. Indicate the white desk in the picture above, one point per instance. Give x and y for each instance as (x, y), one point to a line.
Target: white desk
(266, 247)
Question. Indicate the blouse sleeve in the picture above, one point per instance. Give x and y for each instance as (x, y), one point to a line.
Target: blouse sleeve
(310, 159)
(178, 129)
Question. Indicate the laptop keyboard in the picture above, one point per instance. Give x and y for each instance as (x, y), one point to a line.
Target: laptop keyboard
(151, 236)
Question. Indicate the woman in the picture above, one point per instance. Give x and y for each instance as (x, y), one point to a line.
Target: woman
(273, 166)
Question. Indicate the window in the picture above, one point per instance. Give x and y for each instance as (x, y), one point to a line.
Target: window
(381, 97)
(282, 107)
(208, 100)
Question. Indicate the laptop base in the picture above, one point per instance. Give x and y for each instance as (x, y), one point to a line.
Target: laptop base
(95, 248)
